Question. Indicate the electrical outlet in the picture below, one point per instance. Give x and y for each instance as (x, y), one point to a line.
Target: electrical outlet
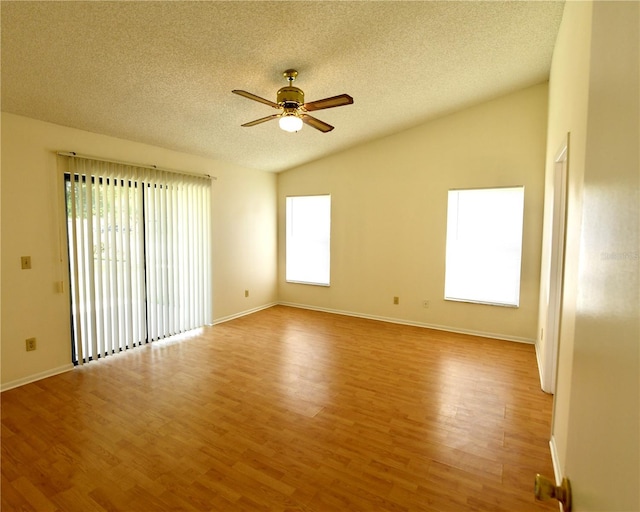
(25, 262)
(246, 293)
(31, 344)
(396, 300)
(425, 304)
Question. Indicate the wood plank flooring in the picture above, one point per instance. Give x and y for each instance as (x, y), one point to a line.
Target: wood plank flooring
(284, 410)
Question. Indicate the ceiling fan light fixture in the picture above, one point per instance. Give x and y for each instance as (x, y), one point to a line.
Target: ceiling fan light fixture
(293, 109)
(290, 123)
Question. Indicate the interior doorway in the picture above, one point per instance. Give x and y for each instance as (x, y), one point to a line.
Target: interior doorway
(556, 270)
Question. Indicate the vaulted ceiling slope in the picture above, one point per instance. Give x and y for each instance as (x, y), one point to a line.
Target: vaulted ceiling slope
(162, 72)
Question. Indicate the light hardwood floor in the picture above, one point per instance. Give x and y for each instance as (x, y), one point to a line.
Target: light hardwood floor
(285, 410)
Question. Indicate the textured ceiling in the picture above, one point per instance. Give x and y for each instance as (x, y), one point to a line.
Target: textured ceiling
(162, 72)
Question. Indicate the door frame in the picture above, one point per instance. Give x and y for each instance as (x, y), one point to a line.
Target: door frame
(556, 267)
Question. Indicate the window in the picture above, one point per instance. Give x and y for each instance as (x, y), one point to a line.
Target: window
(308, 239)
(484, 245)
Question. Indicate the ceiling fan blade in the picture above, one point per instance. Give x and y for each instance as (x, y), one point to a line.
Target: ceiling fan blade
(255, 98)
(334, 101)
(316, 123)
(261, 120)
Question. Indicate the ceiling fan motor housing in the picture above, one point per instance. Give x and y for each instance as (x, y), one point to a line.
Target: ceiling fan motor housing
(290, 97)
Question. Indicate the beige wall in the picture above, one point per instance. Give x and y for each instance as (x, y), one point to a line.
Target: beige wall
(389, 204)
(243, 230)
(594, 94)
(568, 101)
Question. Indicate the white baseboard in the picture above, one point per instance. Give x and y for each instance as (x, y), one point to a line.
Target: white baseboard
(540, 368)
(412, 323)
(38, 376)
(243, 313)
(557, 470)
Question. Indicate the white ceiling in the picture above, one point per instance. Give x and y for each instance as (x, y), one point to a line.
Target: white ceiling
(162, 72)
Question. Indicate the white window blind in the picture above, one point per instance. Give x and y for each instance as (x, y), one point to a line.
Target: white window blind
(308, 241)
(139, 255)
(484, 245)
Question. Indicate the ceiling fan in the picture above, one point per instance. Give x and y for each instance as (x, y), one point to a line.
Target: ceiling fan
(293, 109)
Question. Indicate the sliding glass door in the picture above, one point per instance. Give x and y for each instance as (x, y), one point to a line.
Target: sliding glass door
(139, 255)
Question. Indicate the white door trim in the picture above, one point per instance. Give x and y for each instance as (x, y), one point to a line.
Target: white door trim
(551, 331)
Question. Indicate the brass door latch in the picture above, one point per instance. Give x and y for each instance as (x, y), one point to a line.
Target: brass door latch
(545, 489)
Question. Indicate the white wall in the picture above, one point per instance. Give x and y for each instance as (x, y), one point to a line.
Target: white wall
(568, 99)
(244, 237)
(389, 207)
(594, 94)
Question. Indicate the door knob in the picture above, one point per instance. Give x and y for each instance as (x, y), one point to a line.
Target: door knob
(545, 489)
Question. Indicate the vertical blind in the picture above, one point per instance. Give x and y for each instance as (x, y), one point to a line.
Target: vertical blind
(139, 255)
